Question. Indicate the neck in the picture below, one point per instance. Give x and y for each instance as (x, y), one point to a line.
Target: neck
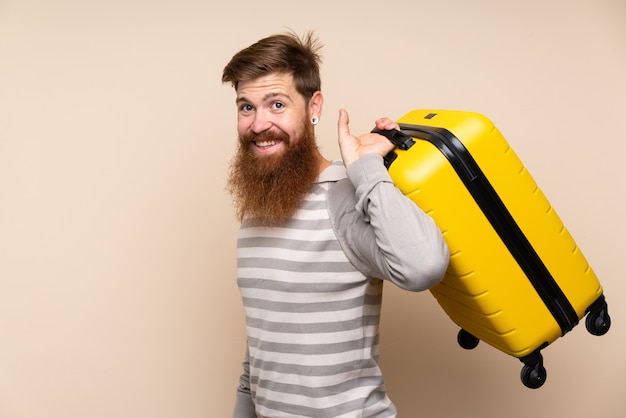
(322, 163)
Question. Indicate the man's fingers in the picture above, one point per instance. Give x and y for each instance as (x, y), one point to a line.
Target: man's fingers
(343, 124)
(386, 124)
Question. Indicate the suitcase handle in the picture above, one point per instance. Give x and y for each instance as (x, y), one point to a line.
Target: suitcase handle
(397, 138)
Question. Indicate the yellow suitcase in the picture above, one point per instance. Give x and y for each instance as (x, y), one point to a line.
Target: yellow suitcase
(516, 279)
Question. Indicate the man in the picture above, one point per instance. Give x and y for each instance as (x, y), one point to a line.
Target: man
(317, 240)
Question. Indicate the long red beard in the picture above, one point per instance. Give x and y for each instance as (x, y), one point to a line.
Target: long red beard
(267, 190)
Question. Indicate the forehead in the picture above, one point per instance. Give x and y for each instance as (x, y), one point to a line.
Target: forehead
(268, 85)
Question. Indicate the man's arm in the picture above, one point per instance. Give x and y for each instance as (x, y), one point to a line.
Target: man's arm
(389, 234)
(393, 234)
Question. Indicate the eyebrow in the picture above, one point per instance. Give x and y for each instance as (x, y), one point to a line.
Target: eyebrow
(268, 96)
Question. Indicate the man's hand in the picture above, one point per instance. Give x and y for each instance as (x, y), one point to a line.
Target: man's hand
(352, 147)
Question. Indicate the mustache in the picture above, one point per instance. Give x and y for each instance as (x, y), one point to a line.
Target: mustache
(264, 136)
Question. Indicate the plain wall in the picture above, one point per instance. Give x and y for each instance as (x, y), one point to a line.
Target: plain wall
(117, 238)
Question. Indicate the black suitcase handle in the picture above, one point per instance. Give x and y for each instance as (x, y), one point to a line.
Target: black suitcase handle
(397, 138)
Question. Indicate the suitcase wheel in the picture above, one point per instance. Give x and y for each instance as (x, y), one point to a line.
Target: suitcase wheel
(598, 320)
(467, 340)
(533, 373)
(534, 376)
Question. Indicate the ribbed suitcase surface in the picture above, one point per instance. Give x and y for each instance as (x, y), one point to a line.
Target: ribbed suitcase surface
(504, 237)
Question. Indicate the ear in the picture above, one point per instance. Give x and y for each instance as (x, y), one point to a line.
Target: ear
(316, 103)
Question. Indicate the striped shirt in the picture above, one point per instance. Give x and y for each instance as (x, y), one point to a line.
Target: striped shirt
(312, 319)
(312, 294)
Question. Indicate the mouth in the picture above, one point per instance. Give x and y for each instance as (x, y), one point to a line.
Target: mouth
(267, 146)
(266, 143)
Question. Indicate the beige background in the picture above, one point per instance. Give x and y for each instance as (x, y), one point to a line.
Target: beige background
(117, 270)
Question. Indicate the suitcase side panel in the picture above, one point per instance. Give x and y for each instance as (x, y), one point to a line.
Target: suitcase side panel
(474, 293)
(541, 225)
(484, 290)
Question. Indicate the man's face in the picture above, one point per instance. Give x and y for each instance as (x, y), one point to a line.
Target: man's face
(271, 113)
(277, 160)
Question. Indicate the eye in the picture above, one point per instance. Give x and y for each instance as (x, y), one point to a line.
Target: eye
(246, 108)
(278, 105)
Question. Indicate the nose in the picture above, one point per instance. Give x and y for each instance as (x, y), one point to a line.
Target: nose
(261, 122)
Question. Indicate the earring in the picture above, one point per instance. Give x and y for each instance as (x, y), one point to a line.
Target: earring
(315, 120)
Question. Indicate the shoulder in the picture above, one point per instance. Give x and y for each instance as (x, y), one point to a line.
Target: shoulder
(334, 172)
